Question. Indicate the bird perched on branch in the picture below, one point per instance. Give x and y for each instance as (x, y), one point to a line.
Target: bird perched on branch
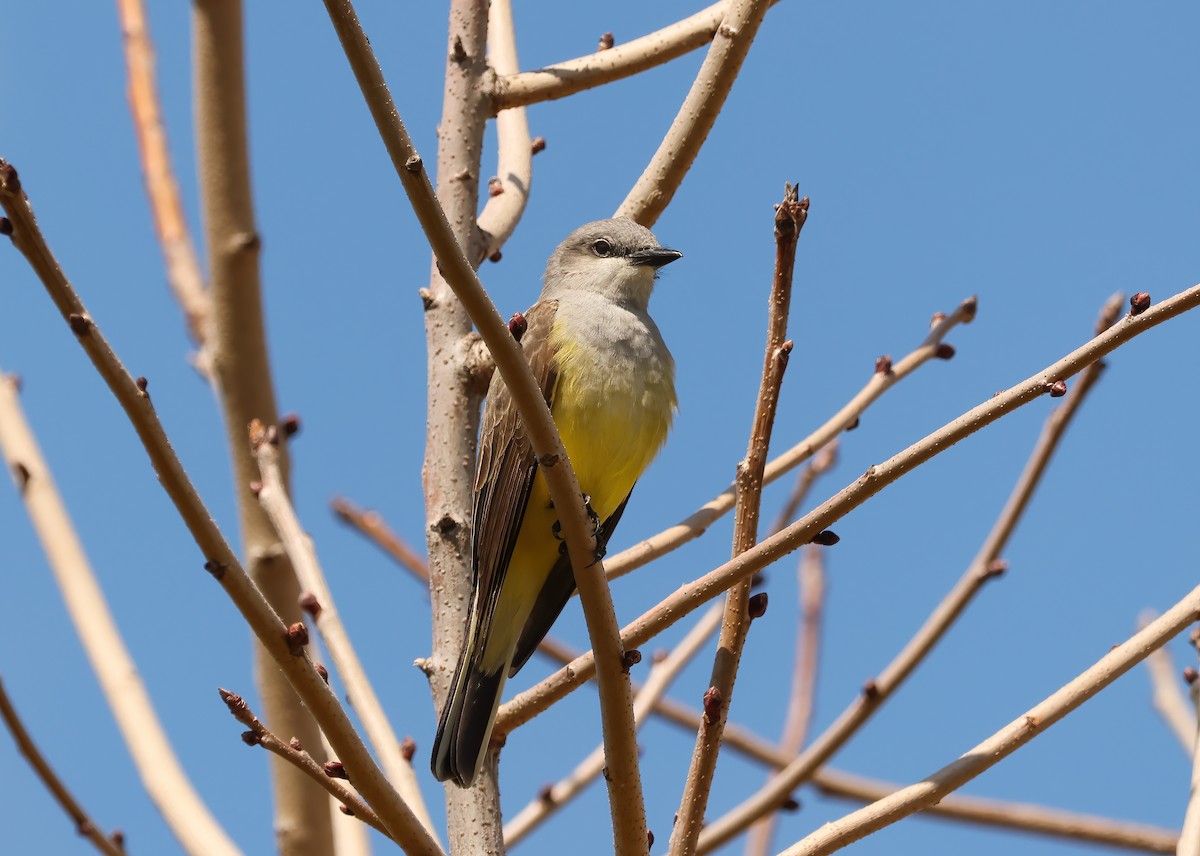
(609, 381)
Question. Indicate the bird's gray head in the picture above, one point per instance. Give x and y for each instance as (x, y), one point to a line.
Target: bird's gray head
(617, 259)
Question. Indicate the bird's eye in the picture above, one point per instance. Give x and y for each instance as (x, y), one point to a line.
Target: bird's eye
(602, 248)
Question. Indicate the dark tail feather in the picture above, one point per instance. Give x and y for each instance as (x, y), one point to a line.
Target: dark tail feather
(466, 723)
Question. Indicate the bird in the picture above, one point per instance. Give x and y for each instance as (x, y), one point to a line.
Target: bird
(609, 381)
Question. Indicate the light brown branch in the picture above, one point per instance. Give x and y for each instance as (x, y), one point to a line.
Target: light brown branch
(934, 787)
(300, 550)
(514, 167)
(985, 566)
(690, 596)
(1176, 711)
(375, 528)
(648, 696)
(221, 561)
(790, 215)
(296, 755)
(1001, 814)
(811, 575)
(26, 746)
(237, 347)
(168, 786)
(695, 525)
(166, 206)
(824, 461)
(1189, 836)
(677, 152)
(616, 703)
(615, 63)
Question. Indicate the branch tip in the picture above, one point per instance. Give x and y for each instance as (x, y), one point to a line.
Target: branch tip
(883, 365)
(967, 309)
(937, 318)
(309, 603)
(9, 180)
(538, 145)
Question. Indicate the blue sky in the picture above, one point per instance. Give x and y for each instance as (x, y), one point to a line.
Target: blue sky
(1041, 156)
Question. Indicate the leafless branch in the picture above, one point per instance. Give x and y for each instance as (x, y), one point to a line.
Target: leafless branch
(166, 206)
(83, 823)
(934, 787)
(615, 63)
(169, 787)
(319, 603)
(221, 561)
(514, 169)
(699, 521)
(1189, 837)
(985, 566)
(790, 215)
(690, 596)
(624, 782)
(375, 528)
(295, 754)
(1176, 711)
(677, 152)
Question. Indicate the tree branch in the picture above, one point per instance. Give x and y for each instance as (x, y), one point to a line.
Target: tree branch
(699, 521)
(1175, 710)
(221, 561)
(318, 602)
(790, 215)
(624, 783)
(375, 528)
(83, 823)
(1189, 837)
(169, 788)
(690, 596)
(985, 566)
(934, 787)
(677, 152)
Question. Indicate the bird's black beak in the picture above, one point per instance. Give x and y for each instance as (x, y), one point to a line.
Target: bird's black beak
(656, 257)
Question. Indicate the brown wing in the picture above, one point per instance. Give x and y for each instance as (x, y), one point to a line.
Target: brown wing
(507, 466)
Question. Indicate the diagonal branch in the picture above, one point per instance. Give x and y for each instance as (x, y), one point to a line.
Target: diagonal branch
(985, 566)
(373, 526)
(615, 63)
(934, 787)
(168, 786)
(1168, 698)
(616, 702)
(790, 216)
(699, 521)
(220, 560)
(689, 597)
(677, 152)
(110, 846)
(318, 603)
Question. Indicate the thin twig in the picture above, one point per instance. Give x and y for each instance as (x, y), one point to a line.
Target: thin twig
(811, 575)
(1189, 836)
(790, 216)
(679, 148)
(163, 776)
(824, 461)
(166, 206)
(373, 526)
(695, 525)
(220, 560)
(1001, 814)
(25, 744)
(621, 61)
(294, 753)
(648, 695)
(934, 787)
(514, 167)
(1176, 711)
(274, 499)
(241, 371)
(985, 566)
(690, 596)
(616, 702)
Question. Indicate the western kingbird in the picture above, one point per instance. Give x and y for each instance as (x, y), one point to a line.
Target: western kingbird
(609, 381)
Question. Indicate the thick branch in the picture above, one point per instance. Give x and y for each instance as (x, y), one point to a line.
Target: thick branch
(934, 787)
(624, 785)
(985, 566)
(677, 152)
(25, 744)
(790, 215)
(169, 787)
(221, 561)
(697, 523)
(690, 596)
(325, 616)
